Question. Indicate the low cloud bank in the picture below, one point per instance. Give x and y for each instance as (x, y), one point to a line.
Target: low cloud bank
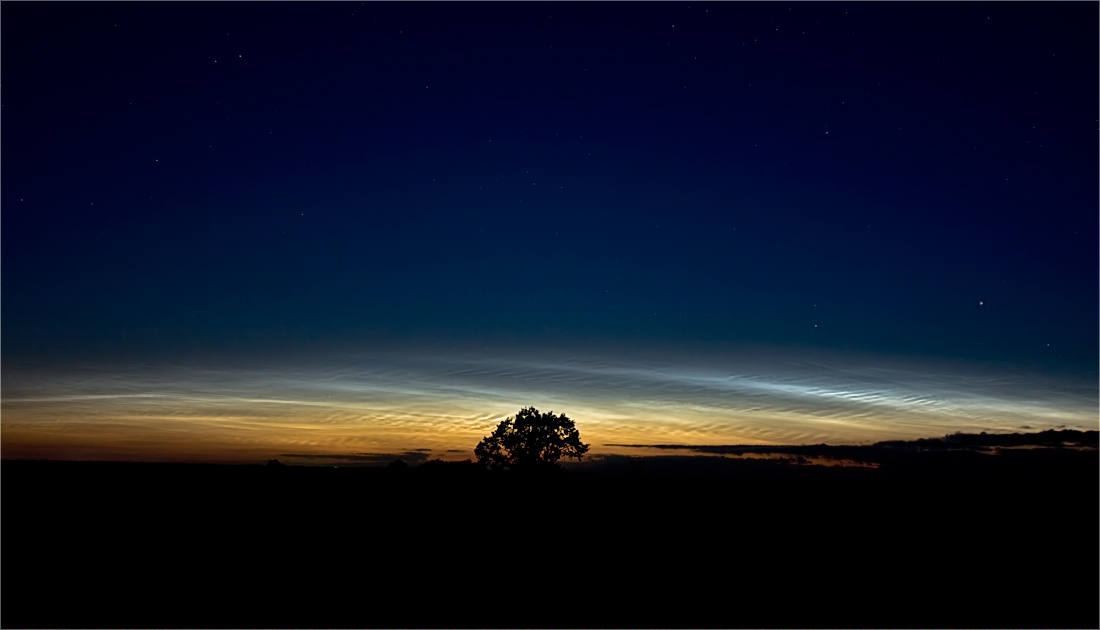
(894, 450)
(418, 456)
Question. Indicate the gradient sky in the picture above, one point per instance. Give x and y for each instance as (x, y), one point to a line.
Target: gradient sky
(240, 231)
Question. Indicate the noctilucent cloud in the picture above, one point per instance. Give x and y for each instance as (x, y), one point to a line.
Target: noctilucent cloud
(442, 399)
(241, 231)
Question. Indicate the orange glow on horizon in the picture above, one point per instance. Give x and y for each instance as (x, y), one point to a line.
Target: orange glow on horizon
(441, 405)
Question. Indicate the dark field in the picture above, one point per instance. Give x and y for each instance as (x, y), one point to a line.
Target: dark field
(932, 540)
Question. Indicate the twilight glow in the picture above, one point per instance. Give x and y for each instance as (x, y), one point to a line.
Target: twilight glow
(442, 402)
(751, 223)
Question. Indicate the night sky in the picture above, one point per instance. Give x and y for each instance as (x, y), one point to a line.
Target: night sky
(238, 231)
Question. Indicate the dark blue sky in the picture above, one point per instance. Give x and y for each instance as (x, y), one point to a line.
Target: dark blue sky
(905, 178)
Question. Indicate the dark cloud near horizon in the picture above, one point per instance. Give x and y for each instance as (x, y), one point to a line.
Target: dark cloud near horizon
(1050, 438)
(410, 457)
(957, 440)
(894, 451)
(674, 465)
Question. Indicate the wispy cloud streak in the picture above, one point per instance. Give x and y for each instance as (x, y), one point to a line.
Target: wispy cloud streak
(447, 398)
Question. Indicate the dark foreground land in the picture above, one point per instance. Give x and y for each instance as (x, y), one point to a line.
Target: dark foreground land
(1006, 540)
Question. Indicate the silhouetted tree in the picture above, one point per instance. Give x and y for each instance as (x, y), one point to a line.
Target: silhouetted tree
(531, 441)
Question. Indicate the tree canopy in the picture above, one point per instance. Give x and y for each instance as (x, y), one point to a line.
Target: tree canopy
(531, 441)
